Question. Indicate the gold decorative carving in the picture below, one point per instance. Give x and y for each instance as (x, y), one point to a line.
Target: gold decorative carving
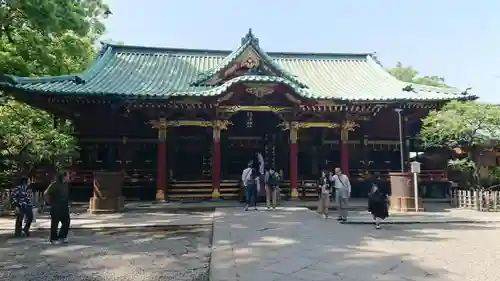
(161, 125)
(257, 108)
(250, 59)
(222, 124)
(260, 91)
(250, 62)
(346, 127)
(196, 123)
(306, 125)
(349, 125)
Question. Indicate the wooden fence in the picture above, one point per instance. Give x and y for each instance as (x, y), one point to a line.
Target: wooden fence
(484, 201)
(6, 200)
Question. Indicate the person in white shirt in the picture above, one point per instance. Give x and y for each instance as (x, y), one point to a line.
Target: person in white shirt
(249, 181)
(342, 187)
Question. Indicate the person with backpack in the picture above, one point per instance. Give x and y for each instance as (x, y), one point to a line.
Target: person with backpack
(249, 180)
(378, 205)
(272, 181)
(57, 197)
(23, 206)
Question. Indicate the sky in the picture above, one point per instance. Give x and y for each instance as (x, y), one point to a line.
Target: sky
(459, 40)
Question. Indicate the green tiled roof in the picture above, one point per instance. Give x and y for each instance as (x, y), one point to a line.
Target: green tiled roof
(137, 72)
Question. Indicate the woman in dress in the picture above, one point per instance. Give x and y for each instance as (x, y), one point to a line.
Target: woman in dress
(378, 205)
(324, 195)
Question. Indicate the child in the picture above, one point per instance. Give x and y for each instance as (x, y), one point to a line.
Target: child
(378, 205)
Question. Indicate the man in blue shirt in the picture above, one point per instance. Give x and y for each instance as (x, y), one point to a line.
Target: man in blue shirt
(24, 207)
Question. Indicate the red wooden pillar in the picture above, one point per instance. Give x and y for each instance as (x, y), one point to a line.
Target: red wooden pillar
(161, 162)
(294, 178)
(216, 162)
(344, 151)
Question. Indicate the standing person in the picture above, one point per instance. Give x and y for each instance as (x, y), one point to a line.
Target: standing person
(24, 207)
(57, 197)
(249, 181)
(272, 181)
(342, 187)
(378, 205)
(324, 195)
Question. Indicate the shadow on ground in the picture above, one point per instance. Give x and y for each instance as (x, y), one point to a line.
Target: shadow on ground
(298, 245)
(118, 254)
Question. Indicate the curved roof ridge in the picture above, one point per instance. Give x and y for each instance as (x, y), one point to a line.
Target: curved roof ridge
(155, 49)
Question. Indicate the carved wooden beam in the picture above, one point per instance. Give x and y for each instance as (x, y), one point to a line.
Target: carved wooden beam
(258, 108)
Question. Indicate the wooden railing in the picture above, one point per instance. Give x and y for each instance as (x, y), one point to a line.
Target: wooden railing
(484, 201)
(132, 176)
(381, 174)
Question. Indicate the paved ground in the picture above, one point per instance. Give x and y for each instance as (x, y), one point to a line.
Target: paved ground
(288, 244)
(298, 245)
(146, 255)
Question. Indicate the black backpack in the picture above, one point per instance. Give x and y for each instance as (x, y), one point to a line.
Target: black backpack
(274, 179)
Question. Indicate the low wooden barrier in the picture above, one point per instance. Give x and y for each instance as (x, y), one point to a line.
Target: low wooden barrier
(480, 200)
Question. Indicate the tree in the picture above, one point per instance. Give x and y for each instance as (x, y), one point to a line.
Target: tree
(30, 139)
(409, 74)
(469, 128)
(48, 37)
(43, 37)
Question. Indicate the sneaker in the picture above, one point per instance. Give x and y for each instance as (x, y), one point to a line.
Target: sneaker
(340, 218)
(26, 232)
(274, 208)
(269, 208)
(64, 241)
(246, 208)
(255, 208)
(377, 226)
(325, 216)
(53, 242)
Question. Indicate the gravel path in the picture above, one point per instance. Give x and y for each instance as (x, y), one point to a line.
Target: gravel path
(150, 254)
(300, 246)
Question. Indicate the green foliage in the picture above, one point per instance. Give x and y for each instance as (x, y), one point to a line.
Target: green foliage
(29, 139)
(43, 37)
(48, 37)
(468, 126)
(462, 125)
(409, 74)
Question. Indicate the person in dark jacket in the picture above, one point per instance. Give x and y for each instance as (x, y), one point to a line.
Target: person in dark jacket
(24, 207)
(378, 205)
(56, 195)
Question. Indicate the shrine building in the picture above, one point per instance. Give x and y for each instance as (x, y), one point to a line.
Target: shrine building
(184, 123)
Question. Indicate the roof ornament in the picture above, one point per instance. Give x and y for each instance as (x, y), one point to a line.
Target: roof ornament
(409, 88)
(466, 92)
(250, 37)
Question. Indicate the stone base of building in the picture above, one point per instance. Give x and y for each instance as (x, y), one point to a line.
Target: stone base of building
(106, 205)
(405, 204)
